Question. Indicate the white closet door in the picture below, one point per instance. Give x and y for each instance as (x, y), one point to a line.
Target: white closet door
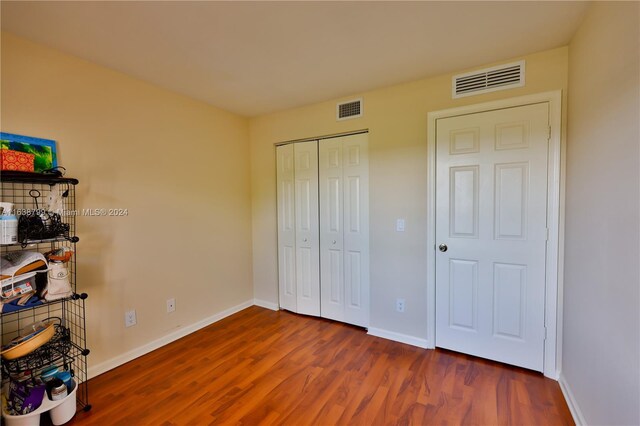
(344, 229)
(356, 229)
(331, 229)
(286, 228)
(306, 228)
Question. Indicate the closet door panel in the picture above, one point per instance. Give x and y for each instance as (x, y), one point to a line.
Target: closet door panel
(344, 229)
(307, 228)
(356, 228)
(286, 227)
(331, 229)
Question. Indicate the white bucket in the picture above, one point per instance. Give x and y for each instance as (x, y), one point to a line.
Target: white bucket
(31, 419)
(66, 409)
(61, 411)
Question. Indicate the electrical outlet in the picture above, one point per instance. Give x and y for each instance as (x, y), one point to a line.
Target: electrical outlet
(171, 305)
(130, 318)
(400, 305)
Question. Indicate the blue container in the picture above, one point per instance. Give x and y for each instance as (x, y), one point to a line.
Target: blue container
(49, 374)
(65, 376)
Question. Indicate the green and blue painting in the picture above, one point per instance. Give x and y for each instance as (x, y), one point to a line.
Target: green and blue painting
(44, 150)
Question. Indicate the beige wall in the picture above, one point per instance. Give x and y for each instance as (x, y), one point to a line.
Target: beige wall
(179, 166)
(601, 351)
(397, 121)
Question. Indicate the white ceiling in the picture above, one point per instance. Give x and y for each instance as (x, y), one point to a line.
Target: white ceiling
(253, 58)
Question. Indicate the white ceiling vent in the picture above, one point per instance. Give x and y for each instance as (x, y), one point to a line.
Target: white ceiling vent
(502, 77)
(349, 109)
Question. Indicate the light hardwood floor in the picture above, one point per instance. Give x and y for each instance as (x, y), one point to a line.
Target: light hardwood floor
(264, 367)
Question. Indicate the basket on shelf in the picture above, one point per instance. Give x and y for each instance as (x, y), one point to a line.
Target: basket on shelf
(24, 345)
(39, 224)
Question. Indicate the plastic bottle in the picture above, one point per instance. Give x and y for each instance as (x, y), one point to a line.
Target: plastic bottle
(8, 224)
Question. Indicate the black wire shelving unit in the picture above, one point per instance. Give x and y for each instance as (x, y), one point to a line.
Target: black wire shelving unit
(68, 347)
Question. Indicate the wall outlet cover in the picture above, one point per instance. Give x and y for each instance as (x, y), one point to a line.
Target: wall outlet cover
(130, 318)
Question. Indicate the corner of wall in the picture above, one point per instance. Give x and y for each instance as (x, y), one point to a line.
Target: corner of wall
(578, 418)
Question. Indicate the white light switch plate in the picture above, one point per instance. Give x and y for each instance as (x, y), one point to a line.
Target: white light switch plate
(400, 225)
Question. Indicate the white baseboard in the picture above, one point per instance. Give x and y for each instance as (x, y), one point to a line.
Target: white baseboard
(117, 361)
(578, 418)
(398, 337)
(265, 304)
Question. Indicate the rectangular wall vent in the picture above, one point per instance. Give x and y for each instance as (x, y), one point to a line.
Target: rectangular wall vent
(349, 109)
(502, 77)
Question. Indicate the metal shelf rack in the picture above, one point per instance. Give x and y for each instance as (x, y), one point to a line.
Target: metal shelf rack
(68, 348)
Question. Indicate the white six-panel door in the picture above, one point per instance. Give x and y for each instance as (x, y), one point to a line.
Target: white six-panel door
(344, 228)
(298, 228)
(491, 226)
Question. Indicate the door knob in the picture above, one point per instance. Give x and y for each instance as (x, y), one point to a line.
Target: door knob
(304, 240)
(333, 242)
(443, 247)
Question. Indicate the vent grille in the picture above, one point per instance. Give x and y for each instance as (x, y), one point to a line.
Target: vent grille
(489, 80)
(349, 109)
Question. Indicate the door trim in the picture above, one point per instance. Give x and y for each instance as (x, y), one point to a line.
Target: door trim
(555, 216)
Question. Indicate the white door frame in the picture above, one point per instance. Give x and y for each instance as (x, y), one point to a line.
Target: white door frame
(555, 242)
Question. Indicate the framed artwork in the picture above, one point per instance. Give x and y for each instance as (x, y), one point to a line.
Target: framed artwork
(44, 150)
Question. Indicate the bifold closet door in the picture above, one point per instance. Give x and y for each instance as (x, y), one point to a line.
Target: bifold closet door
(286, 228)
(298, 228)
(344, 229)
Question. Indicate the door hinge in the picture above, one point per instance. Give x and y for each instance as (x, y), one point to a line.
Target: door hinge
(549, 134)
(545, 333)
(546, 234)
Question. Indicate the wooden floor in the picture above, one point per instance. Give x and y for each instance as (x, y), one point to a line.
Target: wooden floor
(264, 367)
